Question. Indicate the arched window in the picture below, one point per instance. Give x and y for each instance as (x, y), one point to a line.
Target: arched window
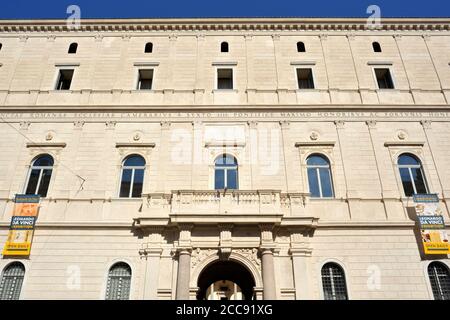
(226, 172)
(301, 47)
(376, 47)
(224, 47)
(148, 47)
(11, 282)
(411, 174)
(73, 47)
(39, 175)
(119, 282)
(132, 180)
(440, 280)
(333, 282)
(319, 176)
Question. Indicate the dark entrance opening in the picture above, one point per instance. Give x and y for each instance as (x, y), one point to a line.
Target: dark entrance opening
(218, 276)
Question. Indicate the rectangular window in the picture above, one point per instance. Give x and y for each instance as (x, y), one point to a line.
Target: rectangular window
(406, 181)
(314, 187)
(305, 78)
(64, 79)
(225, 78)
(219, 179)
(145, 79)
(384, 78)
(125, 185)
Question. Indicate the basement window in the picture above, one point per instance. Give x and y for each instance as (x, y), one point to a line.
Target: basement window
(145, 79)
(384, 78)
(224, 79)
(64, 79)
(305, 78)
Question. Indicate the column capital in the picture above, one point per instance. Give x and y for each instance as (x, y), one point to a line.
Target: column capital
(300, 251)
(150, 252)
(184, 250)
(267, 249)
(266, 234)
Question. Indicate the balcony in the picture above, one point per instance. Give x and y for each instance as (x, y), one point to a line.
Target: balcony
(224, 206)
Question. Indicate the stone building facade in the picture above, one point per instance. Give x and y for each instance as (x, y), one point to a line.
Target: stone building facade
(288, 101)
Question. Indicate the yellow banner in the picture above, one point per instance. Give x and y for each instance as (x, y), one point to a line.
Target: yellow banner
(435, 241)
(431, 224)
(21, 228)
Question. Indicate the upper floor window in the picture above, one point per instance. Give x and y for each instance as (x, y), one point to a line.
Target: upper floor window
(305, 78)
(11, 281)
(440, 280)
(73, 47)
(39, 175)
(333, 282)
(119, 282)
(225, 78)
(226, 172)
(148, 47)
(132, 179)
(64, 79)
(319, 176)
(411, 174)
(224, 47)
(301, 47)
(376, 47)
(384, 78)
(145, 79)
(1, 46)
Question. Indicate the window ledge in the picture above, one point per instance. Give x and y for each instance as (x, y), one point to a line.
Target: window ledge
(146, 64)
(225, 90)
(46, 145)
(211, 144)
(224, 63)
(314, 143)
(404, 143)
(135, 145)
(380, 63)
(303, 63)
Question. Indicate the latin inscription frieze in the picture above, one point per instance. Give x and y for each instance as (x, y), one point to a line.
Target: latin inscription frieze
(275, 116)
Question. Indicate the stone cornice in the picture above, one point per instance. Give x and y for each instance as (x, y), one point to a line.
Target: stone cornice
(225, 24)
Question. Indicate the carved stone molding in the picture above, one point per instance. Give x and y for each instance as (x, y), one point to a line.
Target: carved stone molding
(78, 124)
(199, 255)
(353, 25)
(252, 124)
(24, 125)
(251, 255)
(340, 124)
(110, 125)
(371, 124)
(165, 124)
(426, 124)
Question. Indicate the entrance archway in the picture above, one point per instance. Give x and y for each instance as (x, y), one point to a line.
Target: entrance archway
(227, 280)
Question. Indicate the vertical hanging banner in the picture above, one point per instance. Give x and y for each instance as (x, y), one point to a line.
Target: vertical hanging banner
(431, 224)
(21, 228)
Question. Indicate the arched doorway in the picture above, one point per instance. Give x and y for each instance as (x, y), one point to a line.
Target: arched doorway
(225, 280)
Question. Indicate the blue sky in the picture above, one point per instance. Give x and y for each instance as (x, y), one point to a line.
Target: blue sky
(13, 9)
